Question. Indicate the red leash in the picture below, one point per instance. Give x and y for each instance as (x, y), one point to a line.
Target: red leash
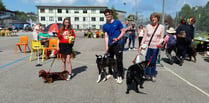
(153, 55)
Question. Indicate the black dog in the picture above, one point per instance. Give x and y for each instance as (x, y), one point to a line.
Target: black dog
(191, 53)
(135, 73)
(105, 61)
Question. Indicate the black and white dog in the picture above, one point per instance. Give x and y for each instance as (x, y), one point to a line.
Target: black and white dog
(135, 74)
(102, 62)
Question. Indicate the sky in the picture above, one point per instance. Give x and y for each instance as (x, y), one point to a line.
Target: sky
(143, 7)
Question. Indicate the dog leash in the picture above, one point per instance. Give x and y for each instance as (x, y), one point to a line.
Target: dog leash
(51, 66)
(152, 57)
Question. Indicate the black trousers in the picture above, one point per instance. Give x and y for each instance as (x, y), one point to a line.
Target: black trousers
(116, 50)
(168, 52)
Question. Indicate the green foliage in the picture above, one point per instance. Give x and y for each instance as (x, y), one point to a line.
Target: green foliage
(114, 14)
(2, 7)
(21, 16)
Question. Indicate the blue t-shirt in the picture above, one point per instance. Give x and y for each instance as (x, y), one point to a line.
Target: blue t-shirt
(113, 30)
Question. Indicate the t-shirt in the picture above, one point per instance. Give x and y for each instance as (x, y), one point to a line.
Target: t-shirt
(64, 38)
(43, 35)
(113, 30)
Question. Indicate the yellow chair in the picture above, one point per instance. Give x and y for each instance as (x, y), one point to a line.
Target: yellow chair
(36, 47)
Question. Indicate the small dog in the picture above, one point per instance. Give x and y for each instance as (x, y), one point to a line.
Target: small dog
(103, 62)
(191, 53)
(51, 77)
(135, 73)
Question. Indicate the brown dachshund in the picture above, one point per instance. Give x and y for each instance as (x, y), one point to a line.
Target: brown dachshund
(51, 77)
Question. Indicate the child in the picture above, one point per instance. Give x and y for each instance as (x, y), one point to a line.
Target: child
(170, 42)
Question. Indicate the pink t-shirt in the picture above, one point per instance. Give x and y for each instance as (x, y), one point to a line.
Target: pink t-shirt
(166, 39)
(157, 38)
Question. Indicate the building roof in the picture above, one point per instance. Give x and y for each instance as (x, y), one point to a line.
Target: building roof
(61, 6)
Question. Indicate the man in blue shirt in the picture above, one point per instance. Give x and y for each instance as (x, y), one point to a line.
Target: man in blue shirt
(114, 32)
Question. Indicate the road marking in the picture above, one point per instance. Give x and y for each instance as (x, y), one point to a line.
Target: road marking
(192, 85)
(3, 66)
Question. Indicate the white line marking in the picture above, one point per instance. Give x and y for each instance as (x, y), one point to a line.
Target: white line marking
(192, 85)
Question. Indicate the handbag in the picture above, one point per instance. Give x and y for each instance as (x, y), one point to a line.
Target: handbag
(182, 34)
(144, 47)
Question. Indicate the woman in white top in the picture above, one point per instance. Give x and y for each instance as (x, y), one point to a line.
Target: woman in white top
(140, 34)
(36, 30)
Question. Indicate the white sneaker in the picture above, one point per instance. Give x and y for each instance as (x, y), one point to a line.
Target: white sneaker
(119, 80)
(134, 48)
(129, 49)
(68, 77)
(153, 79)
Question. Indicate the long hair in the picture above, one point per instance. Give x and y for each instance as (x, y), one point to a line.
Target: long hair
(63, 26)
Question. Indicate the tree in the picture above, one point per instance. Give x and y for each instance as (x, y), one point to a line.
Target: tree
(186, 11)
(2, 7)
(114, 13)
(21, 16)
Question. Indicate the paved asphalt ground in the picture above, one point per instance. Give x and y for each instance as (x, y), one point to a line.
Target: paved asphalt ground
(19, 82)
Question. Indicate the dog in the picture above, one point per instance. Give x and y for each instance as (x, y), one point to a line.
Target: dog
(135, 74)
(51, 77)
(191, 52)
(105, 61)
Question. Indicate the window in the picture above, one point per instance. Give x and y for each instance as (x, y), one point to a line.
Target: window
(59, 18)
(77, 26)
(101, 11)
(84, 11)
(59, 10)
(101, 26)
(101, 18)
(67, 11)
(76, 18)
(93, 18)
(84, 18)
(42, 10)
(42, 18)
(93, 26)
(51, 18)
(76, 11)
(50, 10)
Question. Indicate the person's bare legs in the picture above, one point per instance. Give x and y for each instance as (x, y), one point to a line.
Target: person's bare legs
(69, 64)
(64, 61)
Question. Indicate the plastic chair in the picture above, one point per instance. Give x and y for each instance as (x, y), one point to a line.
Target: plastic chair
(23, 42)
(36, 47)
(53, 45)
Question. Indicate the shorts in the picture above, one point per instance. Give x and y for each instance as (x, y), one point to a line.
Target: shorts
(65, 48)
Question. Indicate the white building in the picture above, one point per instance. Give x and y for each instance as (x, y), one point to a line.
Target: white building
(82, 17)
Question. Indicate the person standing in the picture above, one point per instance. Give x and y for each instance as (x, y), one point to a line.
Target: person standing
(125, 37)
(36, 30)
(66, 45)
(114, 32)
(140, 34)
(184, 40)
(132, 34)
(153, 44)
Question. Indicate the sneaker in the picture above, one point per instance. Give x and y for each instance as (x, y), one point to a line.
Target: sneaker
(119, 80)
(52, 56)
(153, 79)
(69, 77)
(134, 48)
(129, 49)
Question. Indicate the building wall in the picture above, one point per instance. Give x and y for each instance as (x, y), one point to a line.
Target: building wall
(77, 14)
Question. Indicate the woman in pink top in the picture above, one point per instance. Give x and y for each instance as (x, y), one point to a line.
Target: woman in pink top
(154, 43)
